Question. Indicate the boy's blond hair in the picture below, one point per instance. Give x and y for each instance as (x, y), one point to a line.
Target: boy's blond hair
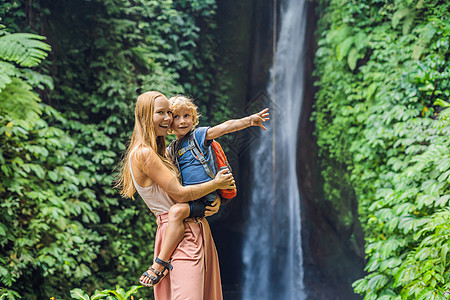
(180, 102)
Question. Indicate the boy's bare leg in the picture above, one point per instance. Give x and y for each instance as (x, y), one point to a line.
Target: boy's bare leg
(174, 234)
(175, 230)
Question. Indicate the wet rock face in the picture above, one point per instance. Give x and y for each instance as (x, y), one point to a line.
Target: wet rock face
(333, 252)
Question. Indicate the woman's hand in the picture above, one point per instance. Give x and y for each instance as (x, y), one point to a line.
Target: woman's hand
(224, 180)
(213, 208)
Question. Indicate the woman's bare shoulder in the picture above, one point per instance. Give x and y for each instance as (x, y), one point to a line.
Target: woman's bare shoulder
(143, 150)
(145, 155)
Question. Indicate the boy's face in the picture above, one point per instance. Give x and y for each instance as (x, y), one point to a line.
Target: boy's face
(182, 122)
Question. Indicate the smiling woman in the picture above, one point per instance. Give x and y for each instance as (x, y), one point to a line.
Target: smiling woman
(66, 163)
(146, 170)
(162, 116)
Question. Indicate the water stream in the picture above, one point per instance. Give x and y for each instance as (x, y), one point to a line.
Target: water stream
(272, 250)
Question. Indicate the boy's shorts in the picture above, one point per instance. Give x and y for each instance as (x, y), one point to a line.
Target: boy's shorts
(198, 207)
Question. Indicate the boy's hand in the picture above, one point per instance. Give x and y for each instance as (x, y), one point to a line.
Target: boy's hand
(239, 124)
(258, 118)
(224, 180)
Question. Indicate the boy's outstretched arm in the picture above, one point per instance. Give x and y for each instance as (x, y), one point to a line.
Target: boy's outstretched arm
(239, 124)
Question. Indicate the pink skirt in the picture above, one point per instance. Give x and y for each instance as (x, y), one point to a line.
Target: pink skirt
(195, 274)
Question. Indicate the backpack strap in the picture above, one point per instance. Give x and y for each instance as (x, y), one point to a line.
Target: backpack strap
(184, 150)
(171, 149)
(198, 154)
(174, 147)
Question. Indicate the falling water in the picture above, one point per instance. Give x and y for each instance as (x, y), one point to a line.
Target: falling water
(272, 250)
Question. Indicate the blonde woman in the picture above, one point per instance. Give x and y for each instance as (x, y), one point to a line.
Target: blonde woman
(194, 264)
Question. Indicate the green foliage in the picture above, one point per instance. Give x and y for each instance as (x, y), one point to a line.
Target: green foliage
(117, 294)
(65, 123)
(24, 49)
(41, 228)
(381, 117)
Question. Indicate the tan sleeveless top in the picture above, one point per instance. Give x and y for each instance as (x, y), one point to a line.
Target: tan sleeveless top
(157, 200)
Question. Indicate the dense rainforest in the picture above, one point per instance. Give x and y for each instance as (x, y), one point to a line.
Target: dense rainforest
(70, 72)
(382, 128)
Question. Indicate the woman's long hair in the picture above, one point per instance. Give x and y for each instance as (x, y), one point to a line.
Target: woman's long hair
(143, 135)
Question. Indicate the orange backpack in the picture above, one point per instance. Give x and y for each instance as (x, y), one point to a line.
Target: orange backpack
(222, 163)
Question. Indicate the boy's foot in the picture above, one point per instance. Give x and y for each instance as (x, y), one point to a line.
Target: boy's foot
(155, 273)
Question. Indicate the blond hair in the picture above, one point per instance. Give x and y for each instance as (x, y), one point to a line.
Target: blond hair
(183, 102)
(143, 136)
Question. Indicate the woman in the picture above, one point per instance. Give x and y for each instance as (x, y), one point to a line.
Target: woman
(195, 274)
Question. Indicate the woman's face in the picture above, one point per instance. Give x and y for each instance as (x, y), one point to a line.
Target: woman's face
(162, 116)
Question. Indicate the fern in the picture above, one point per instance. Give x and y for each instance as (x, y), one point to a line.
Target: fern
(7, 71)
(20, 103)
(25, 49)
(426, 34)
(403, 12)
(17, 100)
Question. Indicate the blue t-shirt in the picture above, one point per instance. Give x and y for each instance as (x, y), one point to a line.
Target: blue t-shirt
(192, 171)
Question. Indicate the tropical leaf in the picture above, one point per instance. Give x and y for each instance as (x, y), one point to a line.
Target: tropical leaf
(344, 47)
(19, 102)
(99, 295)
(7, 71)
(25, 49)
(408, 23)
(442, 103)
(79, 294)
(352, 58)
(400, 14)
(132, 290)
(426, 34)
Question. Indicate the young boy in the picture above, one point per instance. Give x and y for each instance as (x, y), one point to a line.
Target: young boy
(185, 118)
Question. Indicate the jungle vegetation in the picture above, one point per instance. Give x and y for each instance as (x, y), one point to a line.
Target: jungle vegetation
(383, 127)
(70, 72)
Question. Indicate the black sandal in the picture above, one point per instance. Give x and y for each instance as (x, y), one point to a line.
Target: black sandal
(154, 280)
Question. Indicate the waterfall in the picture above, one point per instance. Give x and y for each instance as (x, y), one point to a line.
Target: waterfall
(272, 250)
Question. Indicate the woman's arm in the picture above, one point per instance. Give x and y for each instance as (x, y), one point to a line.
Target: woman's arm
(239, 124)
(154, 168)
